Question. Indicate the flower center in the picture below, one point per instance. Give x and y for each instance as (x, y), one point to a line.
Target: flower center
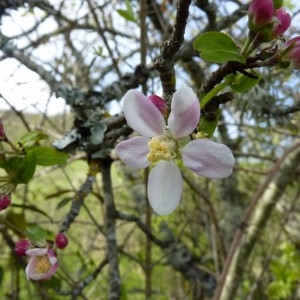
(160, 148)
(42, 264)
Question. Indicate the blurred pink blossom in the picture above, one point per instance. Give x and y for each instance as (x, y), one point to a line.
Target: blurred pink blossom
(42, 263)
(291, 51)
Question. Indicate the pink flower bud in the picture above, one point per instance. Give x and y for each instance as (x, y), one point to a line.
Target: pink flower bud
(260, 13)
(283, 22)
(61, 241)
(291, 51)
(159, 103)
(2, 132)
(4, 202)
(21, 247)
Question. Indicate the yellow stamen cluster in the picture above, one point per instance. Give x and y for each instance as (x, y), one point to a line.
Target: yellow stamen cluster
(42, 264)
(160, 148)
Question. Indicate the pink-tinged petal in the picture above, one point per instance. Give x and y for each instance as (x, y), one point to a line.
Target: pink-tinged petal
(164, 187)
(52, 257)
(51, 271)
(207, 158)
(283, 23)
(142, 115)
(185, 112)
(133, 152)
(36, 251)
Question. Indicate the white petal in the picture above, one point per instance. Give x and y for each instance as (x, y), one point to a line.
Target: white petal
(185, 112)
(53, 260)
(208, 159)
(133, 152)
(142, 115)
(37, 276)
(164, 187)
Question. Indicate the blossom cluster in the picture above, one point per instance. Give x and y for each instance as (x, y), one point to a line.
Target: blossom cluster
(265, 19)
(268, 20)
(43, 261)
(162, 143)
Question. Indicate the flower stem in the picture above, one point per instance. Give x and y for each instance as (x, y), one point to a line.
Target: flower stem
(214, 92)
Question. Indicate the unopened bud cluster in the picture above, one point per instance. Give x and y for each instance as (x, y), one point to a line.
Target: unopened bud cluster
(267, 21)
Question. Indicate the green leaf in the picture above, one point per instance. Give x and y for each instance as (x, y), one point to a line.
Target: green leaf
(278, 290)
(16, 222)
(36, 234)
(20, 169)
(127, 14)
(217, 47)
(31, 139)
(33, 208)
(63, 203)
(47, 156)
(243, 83)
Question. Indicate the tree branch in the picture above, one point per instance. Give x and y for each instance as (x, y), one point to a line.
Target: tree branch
(257, 214)
(111, 242)
(164, 62)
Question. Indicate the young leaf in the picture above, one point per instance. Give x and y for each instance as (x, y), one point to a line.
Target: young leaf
(47, 156)
(16, 222)
(31, 138)
(127, 14)
(217, 47)
(21, 169)
(209, 126)
(243, 83)
(36, 234)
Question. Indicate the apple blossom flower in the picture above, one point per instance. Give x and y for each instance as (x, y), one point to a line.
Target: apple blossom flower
(4, 202)
(160, 143)
(266, 20)
(21, 247)
(42, 263)
(291, 51)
